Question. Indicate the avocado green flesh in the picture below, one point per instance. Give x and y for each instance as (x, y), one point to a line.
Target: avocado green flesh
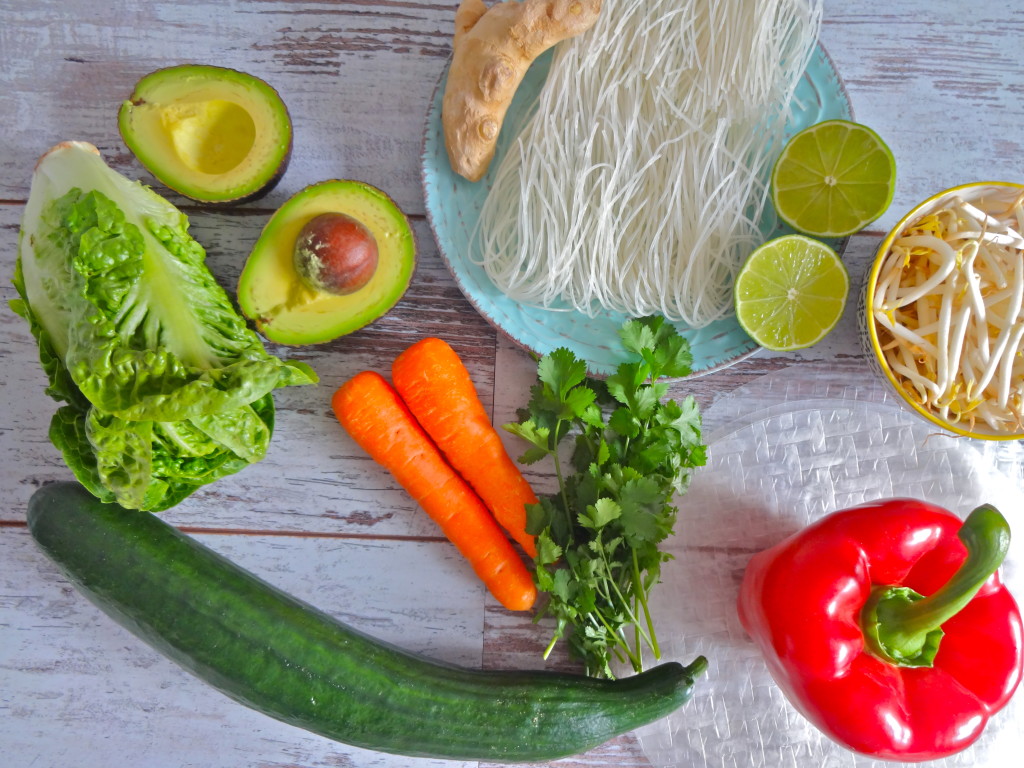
(212, 134)
(284, 307)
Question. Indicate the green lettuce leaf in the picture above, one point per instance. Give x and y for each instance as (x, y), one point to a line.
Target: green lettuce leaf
(166, 387)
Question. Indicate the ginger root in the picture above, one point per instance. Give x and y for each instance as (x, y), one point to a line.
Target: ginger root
(492, 50)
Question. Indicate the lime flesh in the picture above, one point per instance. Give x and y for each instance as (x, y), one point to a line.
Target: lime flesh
(790, 292)
(833, 179)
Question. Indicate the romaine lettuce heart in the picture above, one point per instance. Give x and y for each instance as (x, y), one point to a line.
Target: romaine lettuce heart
(166, 386)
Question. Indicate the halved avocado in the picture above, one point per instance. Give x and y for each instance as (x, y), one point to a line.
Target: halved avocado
(212, 134)
(285, 306)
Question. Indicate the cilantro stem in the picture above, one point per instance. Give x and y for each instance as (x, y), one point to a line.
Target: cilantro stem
(641, 596)
(635, 658)
(621, 647)
(551, 646)
(558, 473)
(637, 635)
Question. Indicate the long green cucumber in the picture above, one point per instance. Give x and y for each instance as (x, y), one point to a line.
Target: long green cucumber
(283, 657)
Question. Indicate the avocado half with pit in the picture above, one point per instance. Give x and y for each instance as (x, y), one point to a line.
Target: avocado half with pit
(213, 134)
(332, 259)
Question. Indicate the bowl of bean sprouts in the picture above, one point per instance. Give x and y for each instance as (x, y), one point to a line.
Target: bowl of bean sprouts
(944, 310)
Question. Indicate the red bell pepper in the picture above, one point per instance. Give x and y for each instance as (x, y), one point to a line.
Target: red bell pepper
(837, 611)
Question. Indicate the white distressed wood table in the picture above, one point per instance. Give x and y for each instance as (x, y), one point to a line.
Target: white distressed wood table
(941, 80)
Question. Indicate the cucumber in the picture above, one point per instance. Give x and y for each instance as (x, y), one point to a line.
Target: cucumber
(282, 657)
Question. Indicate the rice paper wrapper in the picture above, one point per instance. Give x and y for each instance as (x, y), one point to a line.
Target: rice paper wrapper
(784, 451)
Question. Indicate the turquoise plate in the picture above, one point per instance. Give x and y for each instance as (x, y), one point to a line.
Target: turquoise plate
(453, 206)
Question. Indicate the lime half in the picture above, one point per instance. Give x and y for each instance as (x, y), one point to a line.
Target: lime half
(791, 292)
(833, 179)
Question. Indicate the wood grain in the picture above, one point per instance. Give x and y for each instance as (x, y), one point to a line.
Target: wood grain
(943, 85)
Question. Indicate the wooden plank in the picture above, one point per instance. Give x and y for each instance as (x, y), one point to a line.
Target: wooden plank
(117, 701)
(356, 77)
(331, 61)
(314, 477)
(940, 83)
(120, 701)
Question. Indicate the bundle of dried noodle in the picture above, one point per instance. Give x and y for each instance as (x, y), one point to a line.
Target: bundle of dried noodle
(640, 181)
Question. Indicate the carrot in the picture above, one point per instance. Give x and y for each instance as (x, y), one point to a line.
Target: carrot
(374, 415)
(433, 382)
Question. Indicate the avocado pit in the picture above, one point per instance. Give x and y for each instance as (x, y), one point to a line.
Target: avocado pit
(333, 258)
(336, 254)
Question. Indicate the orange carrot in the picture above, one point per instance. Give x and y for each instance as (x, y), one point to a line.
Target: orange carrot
(433, 382)
(374, 415)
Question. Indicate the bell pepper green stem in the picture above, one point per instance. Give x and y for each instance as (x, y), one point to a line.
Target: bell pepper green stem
(903, 627)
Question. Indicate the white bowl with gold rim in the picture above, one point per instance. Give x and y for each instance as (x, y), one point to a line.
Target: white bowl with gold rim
(955, 412)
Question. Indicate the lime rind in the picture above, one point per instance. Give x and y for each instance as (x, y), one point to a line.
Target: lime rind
(854, 155)
(790, 293)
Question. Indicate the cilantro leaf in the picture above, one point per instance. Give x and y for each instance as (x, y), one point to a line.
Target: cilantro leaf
(642, 502)
(659, 344)
(538, 437)
(622, 421)
(625, 382)
(600, 514)
(561, 371)
(579, 400)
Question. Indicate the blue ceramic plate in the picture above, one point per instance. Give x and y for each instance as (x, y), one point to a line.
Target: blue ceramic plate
(453, 206)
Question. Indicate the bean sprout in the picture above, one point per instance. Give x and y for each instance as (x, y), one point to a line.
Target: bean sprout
(949, 310)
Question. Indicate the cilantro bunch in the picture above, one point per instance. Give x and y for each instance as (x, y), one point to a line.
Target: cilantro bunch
(598, 537)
